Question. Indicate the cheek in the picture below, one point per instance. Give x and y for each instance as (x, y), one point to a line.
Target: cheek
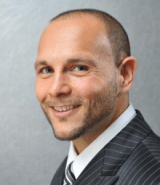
(41, 90)
(87, 87)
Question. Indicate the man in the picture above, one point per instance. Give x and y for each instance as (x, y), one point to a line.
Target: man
(84, 75)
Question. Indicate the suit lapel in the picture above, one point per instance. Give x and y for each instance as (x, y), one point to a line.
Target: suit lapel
(92, 175)
(102, 169)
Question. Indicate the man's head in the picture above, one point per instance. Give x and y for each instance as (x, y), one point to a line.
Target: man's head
(115, 32)
(82, 68)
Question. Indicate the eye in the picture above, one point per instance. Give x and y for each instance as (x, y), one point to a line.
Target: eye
(80, 68)
(46, 70)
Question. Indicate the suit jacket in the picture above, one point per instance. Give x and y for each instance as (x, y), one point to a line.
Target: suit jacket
(130, 158)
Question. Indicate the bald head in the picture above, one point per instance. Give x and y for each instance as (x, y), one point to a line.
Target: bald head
(114, 31)
(79, 33)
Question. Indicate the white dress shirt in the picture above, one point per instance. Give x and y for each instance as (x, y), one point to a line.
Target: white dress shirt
(82, 160)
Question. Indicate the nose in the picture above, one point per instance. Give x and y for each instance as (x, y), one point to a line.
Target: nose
(59, 86)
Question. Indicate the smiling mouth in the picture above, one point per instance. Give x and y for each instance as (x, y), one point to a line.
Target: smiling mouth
(64, 108)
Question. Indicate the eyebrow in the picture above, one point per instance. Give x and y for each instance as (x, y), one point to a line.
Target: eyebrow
(81, 59)
(39, 63)
(69, 61)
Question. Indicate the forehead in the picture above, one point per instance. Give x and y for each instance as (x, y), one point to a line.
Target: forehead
(75, 35)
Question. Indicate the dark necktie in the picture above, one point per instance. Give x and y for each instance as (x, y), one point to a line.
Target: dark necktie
(69, 178)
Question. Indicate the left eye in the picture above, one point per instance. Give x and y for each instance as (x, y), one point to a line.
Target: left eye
(80, 68)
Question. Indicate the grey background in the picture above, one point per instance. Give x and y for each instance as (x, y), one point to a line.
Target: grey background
(29, 153)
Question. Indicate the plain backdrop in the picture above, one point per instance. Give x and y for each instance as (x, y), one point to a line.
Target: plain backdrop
(29, 153)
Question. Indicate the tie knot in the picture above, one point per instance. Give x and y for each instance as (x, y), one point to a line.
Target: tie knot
(69, 178)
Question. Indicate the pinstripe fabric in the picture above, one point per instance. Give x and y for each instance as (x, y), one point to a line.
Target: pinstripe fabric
(131, 158)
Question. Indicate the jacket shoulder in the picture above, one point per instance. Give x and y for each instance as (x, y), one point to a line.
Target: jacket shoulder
(142, 167)
(152, 144)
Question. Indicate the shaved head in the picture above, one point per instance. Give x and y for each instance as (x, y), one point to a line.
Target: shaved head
(114, 31)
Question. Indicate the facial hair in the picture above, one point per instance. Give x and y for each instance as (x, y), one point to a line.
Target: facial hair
(100, 108)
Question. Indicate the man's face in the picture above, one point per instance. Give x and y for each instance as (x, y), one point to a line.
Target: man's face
(76, 82)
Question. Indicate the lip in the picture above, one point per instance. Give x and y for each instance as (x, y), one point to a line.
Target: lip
(65, 113)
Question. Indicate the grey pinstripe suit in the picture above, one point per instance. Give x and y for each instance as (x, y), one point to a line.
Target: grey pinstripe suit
(131, 158)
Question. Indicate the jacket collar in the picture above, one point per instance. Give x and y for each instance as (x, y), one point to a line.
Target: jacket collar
(117, 151)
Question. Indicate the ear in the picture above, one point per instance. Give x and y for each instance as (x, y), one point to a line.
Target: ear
(127, 71)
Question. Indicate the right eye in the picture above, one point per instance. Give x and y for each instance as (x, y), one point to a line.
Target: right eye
(46, 70)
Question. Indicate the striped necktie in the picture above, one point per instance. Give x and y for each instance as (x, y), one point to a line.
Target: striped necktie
(69, 178)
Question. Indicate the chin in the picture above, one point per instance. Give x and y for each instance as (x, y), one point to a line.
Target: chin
(69, 134)
(66, 136)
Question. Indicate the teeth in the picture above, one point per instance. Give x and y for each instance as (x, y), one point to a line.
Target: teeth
(70, 107)
(56, 108)
(60, 109)
(65, 108)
